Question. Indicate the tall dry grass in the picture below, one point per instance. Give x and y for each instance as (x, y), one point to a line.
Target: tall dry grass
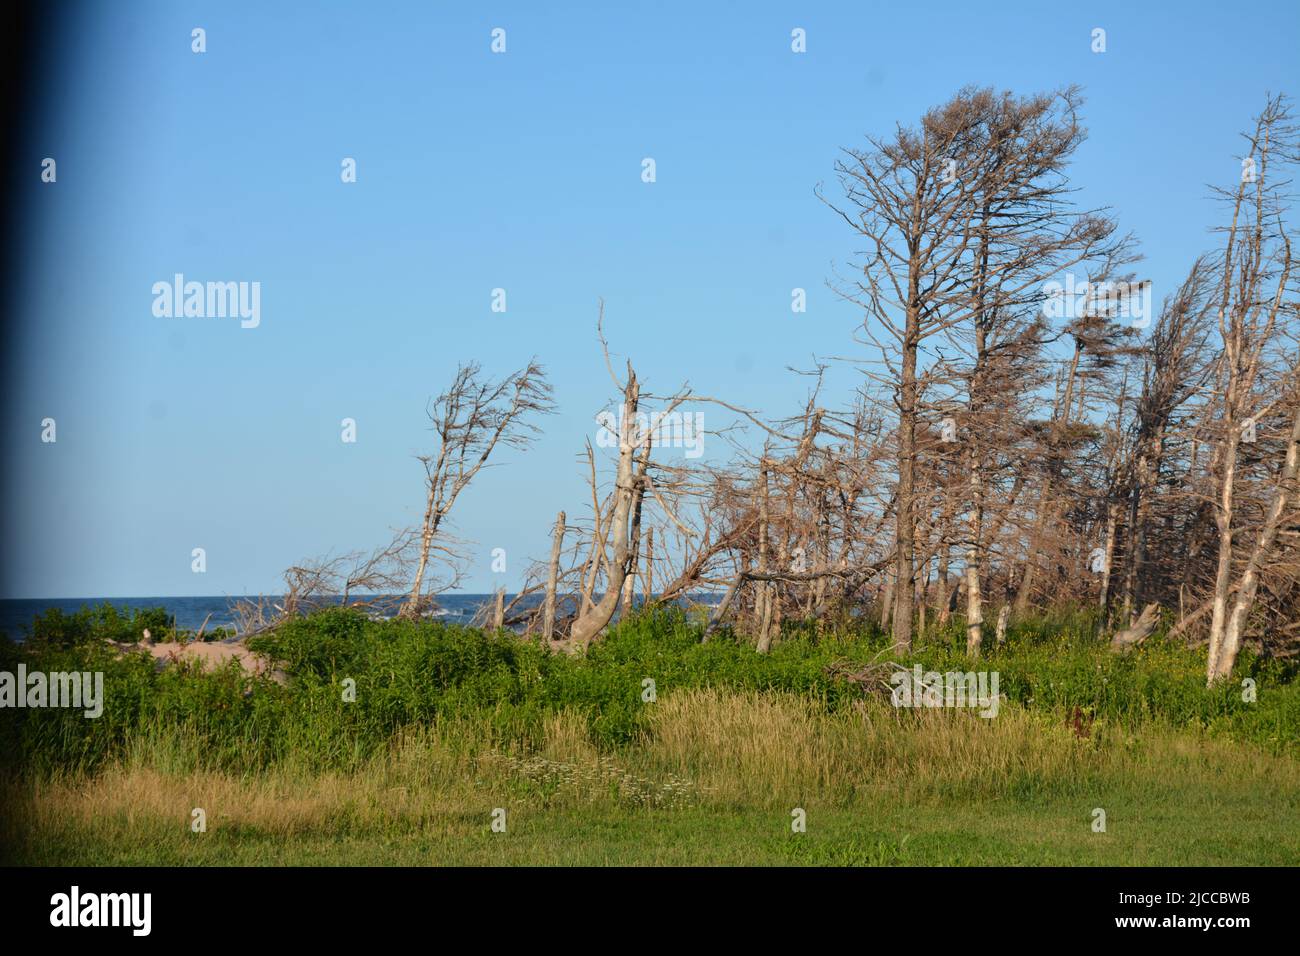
(706, 747)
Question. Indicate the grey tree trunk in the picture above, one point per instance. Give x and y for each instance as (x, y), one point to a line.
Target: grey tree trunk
(905, 509)
(552, 578)
(1222, 665)
(974, 609)
(887, 604)
(764, 604)
(1103, 600)
(647, 573)
(1223, 568)
(628, 491)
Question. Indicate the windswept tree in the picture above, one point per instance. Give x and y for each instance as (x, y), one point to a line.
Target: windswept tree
(470, 420)
(963, 220)
(1256, 308)
(356, 579)
(1256, 311)
(620, 543)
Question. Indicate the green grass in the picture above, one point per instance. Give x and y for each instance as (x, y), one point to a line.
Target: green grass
(450, 723)
(903, 836)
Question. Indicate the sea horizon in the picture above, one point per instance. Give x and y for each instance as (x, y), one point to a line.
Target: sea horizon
(191, 610)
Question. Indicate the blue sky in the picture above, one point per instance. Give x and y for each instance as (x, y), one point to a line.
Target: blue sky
(476, 171)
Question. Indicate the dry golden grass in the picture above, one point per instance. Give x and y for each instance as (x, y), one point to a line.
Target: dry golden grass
(740, 746)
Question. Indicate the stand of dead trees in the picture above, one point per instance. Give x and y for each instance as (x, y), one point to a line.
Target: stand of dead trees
(1029, 432)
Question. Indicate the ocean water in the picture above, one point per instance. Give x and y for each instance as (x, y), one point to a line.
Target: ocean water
(16, 615)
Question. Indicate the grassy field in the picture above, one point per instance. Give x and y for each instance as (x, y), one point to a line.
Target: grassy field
(450, 725)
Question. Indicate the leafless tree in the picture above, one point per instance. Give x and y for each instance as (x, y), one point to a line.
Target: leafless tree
(470, 419)
(1256, 297)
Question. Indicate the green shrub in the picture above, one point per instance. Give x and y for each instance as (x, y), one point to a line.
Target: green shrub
(95, 624)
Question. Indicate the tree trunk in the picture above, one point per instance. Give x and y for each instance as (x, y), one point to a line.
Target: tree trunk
(552, 579)
(499, 608)
(941, 600)
(647, 573)
(905, 507)
(922, 589)
(764, 608)
(1223, 569)
(887, 604)
(428, 528)
(974, 610)
(628, 491)
(1222, 665)
(1138, 514)
(1108, 556)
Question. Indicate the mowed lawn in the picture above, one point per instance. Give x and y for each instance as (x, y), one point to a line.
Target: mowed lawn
(996, 834)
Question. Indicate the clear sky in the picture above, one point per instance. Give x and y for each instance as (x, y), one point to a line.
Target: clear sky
(477, 171)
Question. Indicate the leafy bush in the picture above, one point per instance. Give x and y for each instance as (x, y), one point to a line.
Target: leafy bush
(105, 622)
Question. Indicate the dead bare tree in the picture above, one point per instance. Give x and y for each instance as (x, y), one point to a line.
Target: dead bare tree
(470, 419)
(1256, 292)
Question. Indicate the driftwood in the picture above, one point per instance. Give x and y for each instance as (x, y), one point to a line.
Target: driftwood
(1138, 631)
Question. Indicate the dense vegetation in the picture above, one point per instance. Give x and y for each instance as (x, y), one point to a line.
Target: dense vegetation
(412, 673)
